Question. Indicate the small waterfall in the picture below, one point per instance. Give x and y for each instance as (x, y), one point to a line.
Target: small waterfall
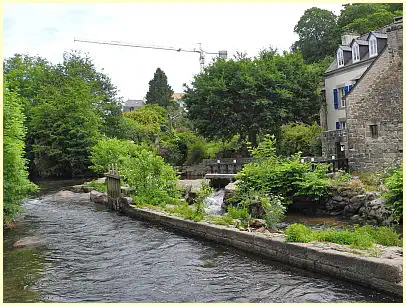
(213, 204)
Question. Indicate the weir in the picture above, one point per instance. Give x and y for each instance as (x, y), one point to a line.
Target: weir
(113, 180)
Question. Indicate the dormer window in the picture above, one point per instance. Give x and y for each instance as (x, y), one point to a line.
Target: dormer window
(373, 46)
(340, 58)
(355, 53)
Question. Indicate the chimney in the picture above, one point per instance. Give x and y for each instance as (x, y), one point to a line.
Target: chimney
(395, 37)
(347, 38)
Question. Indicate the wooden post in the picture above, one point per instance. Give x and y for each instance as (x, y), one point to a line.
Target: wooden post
(113, 188)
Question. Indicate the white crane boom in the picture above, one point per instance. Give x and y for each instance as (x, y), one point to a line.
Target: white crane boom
(221, 54)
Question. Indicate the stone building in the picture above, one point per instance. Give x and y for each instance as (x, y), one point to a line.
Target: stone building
(374, 109)
(362, 116)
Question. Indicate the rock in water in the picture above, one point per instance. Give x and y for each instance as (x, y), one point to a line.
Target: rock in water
(98, 197)
(28, 243)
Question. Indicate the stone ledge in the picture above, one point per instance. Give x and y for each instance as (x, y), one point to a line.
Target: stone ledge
(380, 274)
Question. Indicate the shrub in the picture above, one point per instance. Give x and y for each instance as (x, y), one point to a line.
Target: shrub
(108, 151)
(394, 195)
(272, 174)
(154, 181)
(222, 220)
(361, 237)
(98, 186)
(238, 213)
(341, 178)
(298, 233)
(300, 138)
(274, 211)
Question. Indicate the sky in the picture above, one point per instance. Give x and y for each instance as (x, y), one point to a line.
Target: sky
(47, 30)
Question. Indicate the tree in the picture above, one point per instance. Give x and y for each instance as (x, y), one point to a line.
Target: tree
(64, 127)
(15, 176)
(251, 97)
(318, 34)
(364, 17)
(159, 91)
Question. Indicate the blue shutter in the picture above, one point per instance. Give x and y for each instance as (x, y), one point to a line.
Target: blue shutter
(346, 90)
(337, 125)
(349, 88)
(335, 92)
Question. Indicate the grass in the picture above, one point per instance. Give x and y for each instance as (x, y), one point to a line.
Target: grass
(362, 238)
(100, 187)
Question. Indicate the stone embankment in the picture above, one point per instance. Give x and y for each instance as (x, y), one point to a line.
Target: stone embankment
(383, 273)
(359, 206)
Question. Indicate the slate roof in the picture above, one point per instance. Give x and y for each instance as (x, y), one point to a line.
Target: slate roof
(134, 103)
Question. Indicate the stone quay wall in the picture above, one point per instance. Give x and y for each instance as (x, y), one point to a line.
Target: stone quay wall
(381, 274)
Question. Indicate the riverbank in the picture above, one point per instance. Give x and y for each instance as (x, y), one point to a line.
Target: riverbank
(383, 273)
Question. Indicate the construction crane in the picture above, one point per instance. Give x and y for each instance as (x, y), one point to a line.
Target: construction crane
(222, 53)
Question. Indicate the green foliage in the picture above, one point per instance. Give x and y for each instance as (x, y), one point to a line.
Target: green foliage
(66, 105)
(238, 213)
(340, 178)
(286, 177)
(222, 220)
(154, 181)
(100, 187)
(274, 211)
(109, 151)
(298, 233)
(249, 97)
(16, 184)
(300, 138)
(64, 126)
(360, 237)
(394, 195)
(159, 91)
(364, 17)
(314, 184)
(318, 34)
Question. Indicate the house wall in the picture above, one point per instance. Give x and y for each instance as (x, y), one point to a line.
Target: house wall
(377, 99)
(339, 79)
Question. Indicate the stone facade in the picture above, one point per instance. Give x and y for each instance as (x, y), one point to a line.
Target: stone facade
(374, 110)
(331, 143)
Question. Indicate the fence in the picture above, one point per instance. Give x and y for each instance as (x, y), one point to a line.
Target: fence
(113, 179)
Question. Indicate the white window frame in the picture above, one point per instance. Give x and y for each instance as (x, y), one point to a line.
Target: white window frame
(340, 58)
(343, 124)
(355, 53)
(341, 94)
(373, 46)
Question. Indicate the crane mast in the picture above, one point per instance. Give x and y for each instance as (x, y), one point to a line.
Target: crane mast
(202, 53)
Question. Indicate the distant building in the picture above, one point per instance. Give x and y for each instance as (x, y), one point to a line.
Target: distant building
(362, 116)
(130, 105)
(178, 98)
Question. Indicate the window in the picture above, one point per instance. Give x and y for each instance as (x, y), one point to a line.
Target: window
(341, 94)
(374, 130)
(340, 58)
(342, 125)
(373, 46)
(131, 108)
(355, 53)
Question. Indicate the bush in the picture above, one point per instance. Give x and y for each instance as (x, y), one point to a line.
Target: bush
(154, 181)
(298, 233)
(100, 187)
(276, 175)
(238, 213)
(109, 151)
(394, 195)
(361, 237)
(300, 138)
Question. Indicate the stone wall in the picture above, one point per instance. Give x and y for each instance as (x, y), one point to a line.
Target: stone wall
(377, 100)
(359, 206)
(329, 140)
(380, 273)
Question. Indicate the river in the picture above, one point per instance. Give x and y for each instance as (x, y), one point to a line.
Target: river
(93, 255)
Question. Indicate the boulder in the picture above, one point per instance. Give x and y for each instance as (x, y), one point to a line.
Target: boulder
(98, 197)
(358, 198)
(377, 203)
(229, 192)
(28, 243)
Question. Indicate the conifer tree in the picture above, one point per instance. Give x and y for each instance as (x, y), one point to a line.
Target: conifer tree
(159, 90)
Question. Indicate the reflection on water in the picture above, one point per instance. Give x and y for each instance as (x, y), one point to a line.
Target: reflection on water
(95, 255)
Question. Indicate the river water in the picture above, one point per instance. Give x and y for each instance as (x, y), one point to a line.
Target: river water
(91, 254)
